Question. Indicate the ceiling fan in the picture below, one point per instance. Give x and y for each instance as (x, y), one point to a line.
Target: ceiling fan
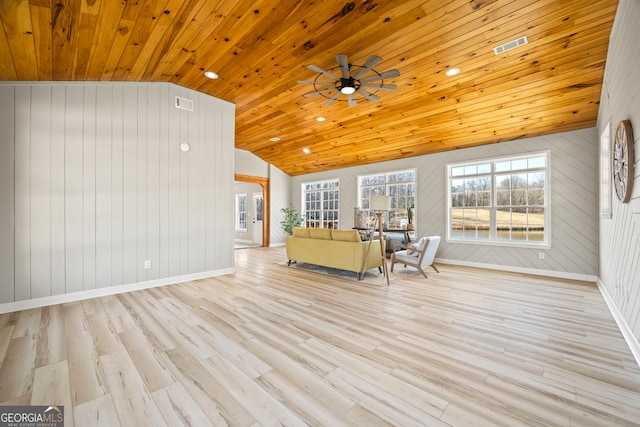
(365, 81)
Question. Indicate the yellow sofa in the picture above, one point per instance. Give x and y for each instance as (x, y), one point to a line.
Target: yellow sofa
(341, 249)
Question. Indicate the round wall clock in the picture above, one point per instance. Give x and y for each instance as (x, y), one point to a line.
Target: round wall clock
(623, 160)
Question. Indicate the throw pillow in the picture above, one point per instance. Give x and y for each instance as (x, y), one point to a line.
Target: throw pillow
(412, 248)
(419, 245)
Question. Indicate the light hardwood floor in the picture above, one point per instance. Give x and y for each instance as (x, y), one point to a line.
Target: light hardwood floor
(272, 345)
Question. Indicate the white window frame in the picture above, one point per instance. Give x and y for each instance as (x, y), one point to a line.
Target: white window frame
(328, 214)
(492, 238)
(239, 212)
(606, 191)
(396, 215)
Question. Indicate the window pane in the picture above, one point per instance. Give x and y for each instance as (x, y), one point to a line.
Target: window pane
(484, 168)
(519, 164)
(536, 162)
(504, 198)
(519, 224)
(503, 224)
(484, 223)
(503, 166)
(503, 182)
(536, 224)
(484, 198)
(535, 197)
(470, 170)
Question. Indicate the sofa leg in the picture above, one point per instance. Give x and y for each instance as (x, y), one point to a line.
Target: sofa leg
(380, 269)
(289, 263)
(359, 275)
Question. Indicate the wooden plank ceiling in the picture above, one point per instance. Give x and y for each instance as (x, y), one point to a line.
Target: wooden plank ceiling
(261, 48)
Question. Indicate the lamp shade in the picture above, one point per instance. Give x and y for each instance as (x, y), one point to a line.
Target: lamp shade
(380, 203)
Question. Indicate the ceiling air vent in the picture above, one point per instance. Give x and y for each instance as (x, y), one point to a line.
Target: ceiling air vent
(520, 41)
(184, 103)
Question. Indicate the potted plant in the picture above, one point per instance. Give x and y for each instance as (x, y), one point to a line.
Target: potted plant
(292, 218)
(409, 218)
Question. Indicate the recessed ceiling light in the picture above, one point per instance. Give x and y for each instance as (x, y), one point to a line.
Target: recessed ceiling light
(274, 139)
(210, 75)
(452, 72)
(306, 150)
(321, 119)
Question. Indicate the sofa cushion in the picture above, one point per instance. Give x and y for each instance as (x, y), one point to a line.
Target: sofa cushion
(346, 235)
(300, 232)
(320, 233)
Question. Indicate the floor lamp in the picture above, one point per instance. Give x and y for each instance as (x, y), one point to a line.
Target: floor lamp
(379, 205)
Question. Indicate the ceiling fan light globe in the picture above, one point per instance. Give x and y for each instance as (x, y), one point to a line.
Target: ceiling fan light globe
(347, 90)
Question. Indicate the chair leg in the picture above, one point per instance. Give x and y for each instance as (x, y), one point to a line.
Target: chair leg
(422, 271)
(435, 268)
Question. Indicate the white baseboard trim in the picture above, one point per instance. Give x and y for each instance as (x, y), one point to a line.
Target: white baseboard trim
(522, 270)
(631, 340)
(243, 242)
(113, 290)
(276, 245)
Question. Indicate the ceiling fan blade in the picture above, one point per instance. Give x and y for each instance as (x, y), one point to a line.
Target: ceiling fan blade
(343, 63)
(388, 88)
(310, 82)
(333, 98)
(321, 71)
(368, 95)
(384, 75)
(319, 92)
(371, 62)
(352, 100)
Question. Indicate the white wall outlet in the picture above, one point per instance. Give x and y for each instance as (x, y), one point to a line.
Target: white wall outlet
(541, 255)
(147, 264)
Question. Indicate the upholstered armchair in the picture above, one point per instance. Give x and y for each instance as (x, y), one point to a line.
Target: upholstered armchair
(419, 254)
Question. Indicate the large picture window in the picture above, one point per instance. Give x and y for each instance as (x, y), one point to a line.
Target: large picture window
(400, 186)
(320, 204)
(501, 200)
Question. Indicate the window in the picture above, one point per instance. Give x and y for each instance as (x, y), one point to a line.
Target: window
(320, 204)
(501, 201)
(241, 212)
(400, 186)
(605, 173)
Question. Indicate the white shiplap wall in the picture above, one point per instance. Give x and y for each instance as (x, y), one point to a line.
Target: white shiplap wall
(280, 188)
(620, 235)
(574, 210)
(94, 183)
(247, 163)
